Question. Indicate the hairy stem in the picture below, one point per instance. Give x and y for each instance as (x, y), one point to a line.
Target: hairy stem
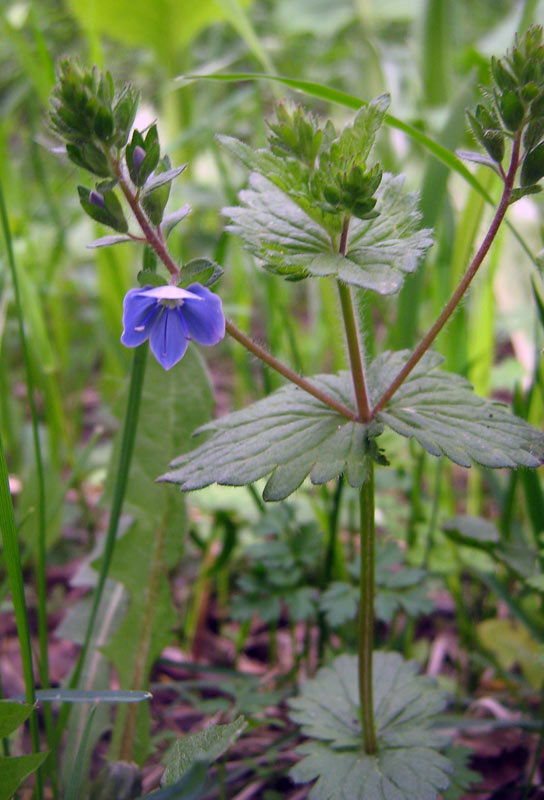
(366, 613)
(352, 336)
(454, 300)
(288, 373)
(158, 245)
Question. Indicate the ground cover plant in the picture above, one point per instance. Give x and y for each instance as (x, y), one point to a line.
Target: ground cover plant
(320, 612)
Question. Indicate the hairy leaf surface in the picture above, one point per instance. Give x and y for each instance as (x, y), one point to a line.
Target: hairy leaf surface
(380, 252)
(290, 435)
(440, 410)
(408, 765)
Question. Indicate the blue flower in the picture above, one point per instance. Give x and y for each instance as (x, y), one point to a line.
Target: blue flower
(169, 316)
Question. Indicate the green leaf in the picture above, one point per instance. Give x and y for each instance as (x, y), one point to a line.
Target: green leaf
(339, 603)
(289, 434)
(380, 251)
(463, 776)
(205, 746)
(172, 403)
(292, 435)
(533, 166)
(536, 582)
(471, 531)
(512, 644)
(331, 95)
(440, 411)
(15, 770)
(407, 765)
(12, 715)
(199, 270)
(356, 140)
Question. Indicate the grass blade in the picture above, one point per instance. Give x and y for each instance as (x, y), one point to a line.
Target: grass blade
(13, 567)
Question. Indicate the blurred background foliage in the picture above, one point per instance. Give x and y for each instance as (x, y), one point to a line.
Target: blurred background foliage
(430, 55)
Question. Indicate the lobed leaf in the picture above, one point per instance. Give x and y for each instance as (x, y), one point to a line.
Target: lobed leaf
(440, 411)
(381, 251)
(290, 435)
(407, 765)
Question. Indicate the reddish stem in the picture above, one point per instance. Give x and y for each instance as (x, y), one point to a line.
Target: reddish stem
(454, 300)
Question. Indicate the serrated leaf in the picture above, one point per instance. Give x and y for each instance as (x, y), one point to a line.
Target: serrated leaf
(292, 435)
(380, 251)
(106, 241)
(12, 715)
(251, 443)
(160, 178)
(205, 746)
(441, 412)
(407, 765)
(472, 531)
(15, 770)
(463, 776)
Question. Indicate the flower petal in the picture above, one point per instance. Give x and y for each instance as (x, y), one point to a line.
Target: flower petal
(169, 293)
(204, 317)
(167, 338)
(137, 317)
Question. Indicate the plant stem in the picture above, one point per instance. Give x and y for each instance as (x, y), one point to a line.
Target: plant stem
(158, 245)
(454, 300)
(366, 612)
(352, 336)
(288, 373)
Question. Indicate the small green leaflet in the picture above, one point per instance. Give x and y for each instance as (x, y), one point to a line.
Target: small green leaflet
(290, 435)
(408, 765)
(289, 242)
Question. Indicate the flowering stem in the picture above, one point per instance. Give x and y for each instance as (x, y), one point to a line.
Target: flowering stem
(153, 238)
(366, 612)
(454, 300)
(352, 336)
(158, 245)
(288, 373)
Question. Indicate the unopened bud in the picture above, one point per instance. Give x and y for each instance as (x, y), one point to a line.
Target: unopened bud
(96, 199)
